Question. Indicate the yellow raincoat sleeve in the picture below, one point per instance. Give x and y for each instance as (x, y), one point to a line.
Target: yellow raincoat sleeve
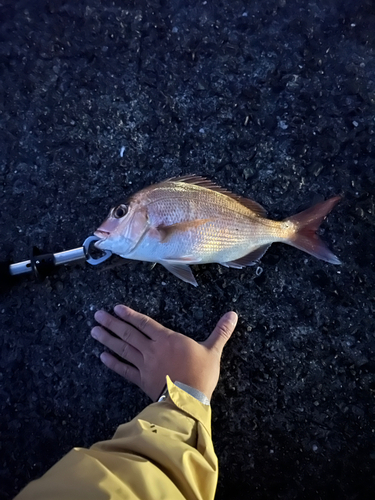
(166, 452)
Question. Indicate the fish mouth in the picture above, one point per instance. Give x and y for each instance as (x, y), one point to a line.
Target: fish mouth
(103, 235)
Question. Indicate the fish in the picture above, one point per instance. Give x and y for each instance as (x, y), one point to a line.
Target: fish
(191, 220)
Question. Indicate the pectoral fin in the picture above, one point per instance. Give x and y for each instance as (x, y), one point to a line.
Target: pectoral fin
(165, 232)
(182, 271)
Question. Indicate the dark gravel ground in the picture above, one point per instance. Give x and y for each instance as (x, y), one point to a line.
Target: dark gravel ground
(271, 99)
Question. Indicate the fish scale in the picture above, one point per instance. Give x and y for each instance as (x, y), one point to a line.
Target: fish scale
(230, 223)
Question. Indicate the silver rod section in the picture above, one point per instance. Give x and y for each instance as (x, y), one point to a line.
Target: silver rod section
(20, 268)
(69, 256)
(81, 253)
(60, 258)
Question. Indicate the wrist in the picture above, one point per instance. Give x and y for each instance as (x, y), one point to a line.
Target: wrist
(195, 393)
(199, 395)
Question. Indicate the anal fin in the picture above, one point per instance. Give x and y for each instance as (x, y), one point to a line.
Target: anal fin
(249, 259)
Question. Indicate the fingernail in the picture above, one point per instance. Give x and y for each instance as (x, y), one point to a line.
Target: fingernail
(232, 317)
(94, 333)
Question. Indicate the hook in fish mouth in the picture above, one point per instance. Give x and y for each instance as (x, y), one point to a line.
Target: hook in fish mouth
(94, 259)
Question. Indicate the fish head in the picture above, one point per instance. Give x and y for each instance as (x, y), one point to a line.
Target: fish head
(123, 228)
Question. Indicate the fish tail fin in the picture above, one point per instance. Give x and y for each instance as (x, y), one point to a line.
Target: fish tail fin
(306, 224)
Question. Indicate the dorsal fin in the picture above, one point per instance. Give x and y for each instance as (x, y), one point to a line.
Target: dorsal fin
(252, 205)
(197, 180)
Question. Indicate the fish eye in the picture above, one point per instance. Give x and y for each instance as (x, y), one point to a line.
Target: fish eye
(120, 211)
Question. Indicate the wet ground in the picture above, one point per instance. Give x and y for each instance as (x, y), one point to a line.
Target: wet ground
(273, 100)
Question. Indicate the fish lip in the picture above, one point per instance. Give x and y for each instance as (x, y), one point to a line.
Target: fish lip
(103, 235)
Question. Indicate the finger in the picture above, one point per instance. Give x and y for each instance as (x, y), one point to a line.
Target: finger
(222, 332)
(143, 323)
(123, 330)
(123, 349)
(128, 372)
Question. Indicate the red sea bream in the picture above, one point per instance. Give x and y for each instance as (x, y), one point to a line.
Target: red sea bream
(190, 220)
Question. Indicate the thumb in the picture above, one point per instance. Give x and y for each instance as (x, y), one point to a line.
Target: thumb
(222, 332)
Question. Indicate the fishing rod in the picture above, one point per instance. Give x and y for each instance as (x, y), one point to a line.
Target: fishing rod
(45, 264)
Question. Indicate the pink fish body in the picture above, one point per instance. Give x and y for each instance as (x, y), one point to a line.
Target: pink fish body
(190, 220)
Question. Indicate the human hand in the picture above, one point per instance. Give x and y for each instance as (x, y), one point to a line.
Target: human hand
(155, 351)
